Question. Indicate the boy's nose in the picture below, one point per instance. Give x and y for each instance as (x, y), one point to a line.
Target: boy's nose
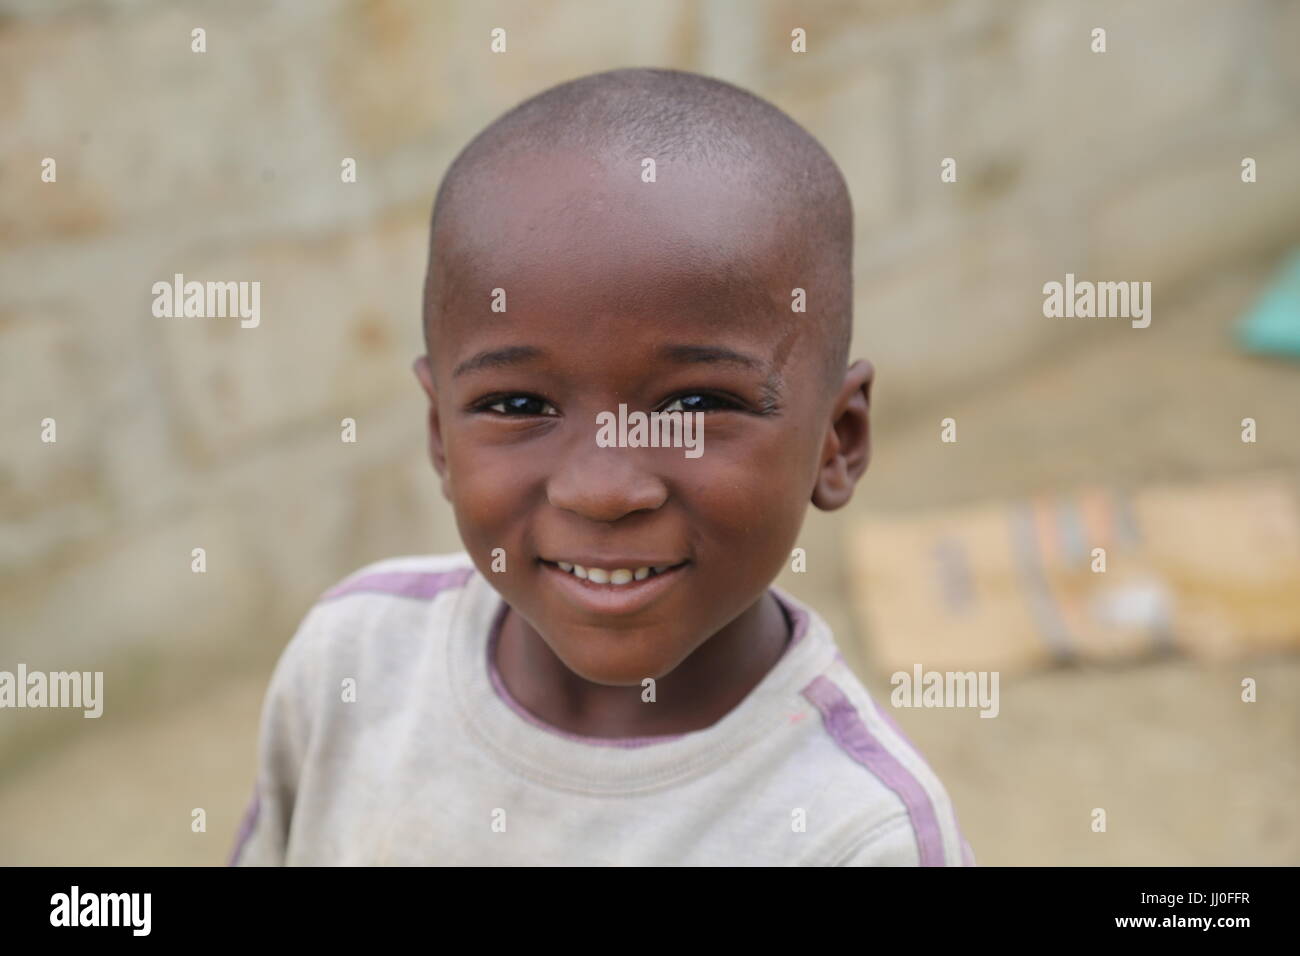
(605, 484)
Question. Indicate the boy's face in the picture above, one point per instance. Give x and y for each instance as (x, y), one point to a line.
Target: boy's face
(673, 295)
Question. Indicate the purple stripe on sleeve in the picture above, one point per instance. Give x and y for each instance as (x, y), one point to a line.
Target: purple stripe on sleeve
(246, 828)
(412, 584)
(848, 730)
(967, 855)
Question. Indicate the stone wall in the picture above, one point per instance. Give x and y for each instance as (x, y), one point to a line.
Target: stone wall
(175, 434)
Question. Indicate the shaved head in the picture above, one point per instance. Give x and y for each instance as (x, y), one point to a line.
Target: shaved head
(614, 120)
(564, 282)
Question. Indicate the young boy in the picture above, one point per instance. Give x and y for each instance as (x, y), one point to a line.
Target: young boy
(607, 676)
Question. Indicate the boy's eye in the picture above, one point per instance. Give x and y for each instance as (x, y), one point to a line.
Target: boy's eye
(699, 402)
(522, 405)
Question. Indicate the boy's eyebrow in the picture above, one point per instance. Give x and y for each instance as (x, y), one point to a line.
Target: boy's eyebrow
(687, 354)
(496, 358)
(691, 354)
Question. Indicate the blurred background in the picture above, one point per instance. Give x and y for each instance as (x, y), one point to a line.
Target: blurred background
(174, 434)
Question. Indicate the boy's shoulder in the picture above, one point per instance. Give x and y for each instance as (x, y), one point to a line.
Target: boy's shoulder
(416, 577)
(875, 766)
(895, 808)
(392, 589)
(377, 607)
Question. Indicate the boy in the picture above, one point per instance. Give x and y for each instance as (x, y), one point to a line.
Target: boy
(607, 677)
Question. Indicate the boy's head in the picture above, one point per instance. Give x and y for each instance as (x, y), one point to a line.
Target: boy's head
(664, 294)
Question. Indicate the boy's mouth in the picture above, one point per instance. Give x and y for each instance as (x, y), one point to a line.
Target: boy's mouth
(618, 575)
(613, 587)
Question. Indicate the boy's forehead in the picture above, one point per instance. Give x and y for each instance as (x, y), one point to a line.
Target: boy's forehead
(590, 258)
(569, 231)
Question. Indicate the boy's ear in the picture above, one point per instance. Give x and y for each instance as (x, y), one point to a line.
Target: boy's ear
(424, 372)
(846, 451)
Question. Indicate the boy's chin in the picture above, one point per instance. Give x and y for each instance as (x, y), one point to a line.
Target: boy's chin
(617, 659)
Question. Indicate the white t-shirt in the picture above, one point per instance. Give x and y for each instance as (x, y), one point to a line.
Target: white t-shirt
(387, 737)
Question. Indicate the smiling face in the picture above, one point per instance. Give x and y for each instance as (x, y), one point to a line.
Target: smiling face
(672, 295)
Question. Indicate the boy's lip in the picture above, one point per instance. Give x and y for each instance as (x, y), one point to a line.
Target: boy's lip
(611, 564)
(613, 599)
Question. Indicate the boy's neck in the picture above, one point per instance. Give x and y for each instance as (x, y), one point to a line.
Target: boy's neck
(702, 690)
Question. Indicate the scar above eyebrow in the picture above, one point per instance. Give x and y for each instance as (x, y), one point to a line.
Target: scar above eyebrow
(498, 358)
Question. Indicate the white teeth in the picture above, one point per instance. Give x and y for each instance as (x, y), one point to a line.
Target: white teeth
(662, 569)
(615, 577)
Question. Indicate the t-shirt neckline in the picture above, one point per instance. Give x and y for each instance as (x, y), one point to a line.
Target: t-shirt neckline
(556, 757)
(795, 618)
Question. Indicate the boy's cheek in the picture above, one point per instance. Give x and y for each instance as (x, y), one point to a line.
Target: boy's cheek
(493, 517)
(745, 485)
